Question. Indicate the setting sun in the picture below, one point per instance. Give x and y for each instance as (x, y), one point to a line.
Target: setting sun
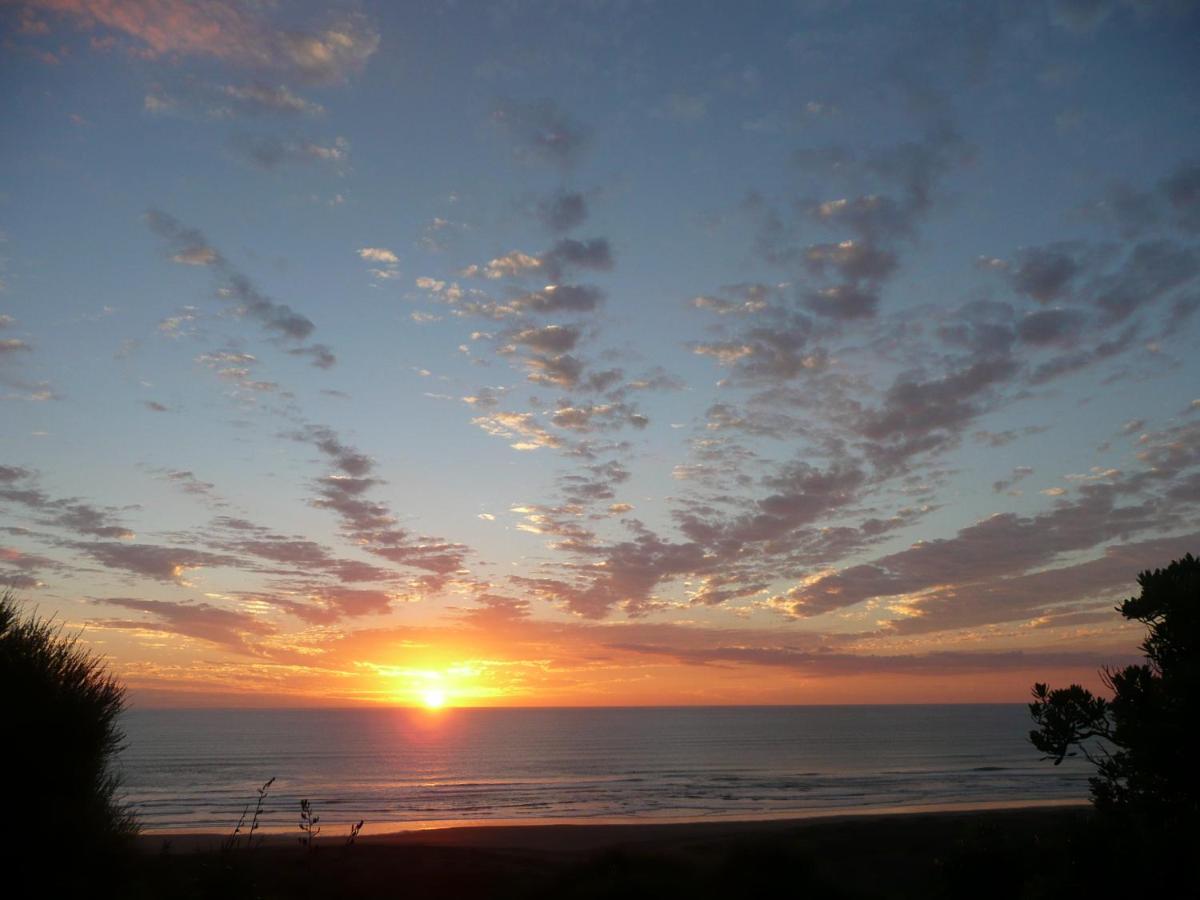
(433, 698)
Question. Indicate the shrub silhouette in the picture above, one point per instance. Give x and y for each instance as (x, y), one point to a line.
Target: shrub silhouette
(60, 709)
(1140, 741)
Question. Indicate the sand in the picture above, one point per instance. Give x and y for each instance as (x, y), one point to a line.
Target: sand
(586, 836)
(986, 852)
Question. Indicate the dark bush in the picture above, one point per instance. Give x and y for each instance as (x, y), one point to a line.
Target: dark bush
(1142, 740)
(61, 735)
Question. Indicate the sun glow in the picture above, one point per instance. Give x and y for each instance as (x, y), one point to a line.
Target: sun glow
(433, 698)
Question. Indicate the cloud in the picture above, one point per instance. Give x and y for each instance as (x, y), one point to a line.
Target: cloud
(906, 176)
(297, 555)
(228, 628)
(1151, 271)
(568, 254)
(17, 486)
(485, 398)
(496, 611)
(1115, 281)
(387, 263)
(228, 101)
(843, 301)
(921, 415)
(838, 282)
(1005, 484)
(510, 265)
(599, 484)
(777, 351)
(233, 32)
(557, 298)
(549, 362)
(800, 494)
(1003, 438)
(733, 557)
(851, 260)
(1005, 545)
(1051, 326)
(252, 99)
(1046, 274)
(592, 417)
(9, 474)
(188, 245)
(20, 569)
(561, 370)
(540, 131)
(440, 234)
(832, 664)
(553, 299)
(522, 428)
(1042, 595)
(12, 346)
(562, 210)
(1182, 191)
(1066, 363)
(626, 574)
(742, 299)
(1173, 202)
(319, 355)
(726, 417)
(154, 561)
(271, 152)
(186, 481)
(326, 605)
(547, 339)
(378, 254)
(236, 368)
(83, 518)
(371, 524)
(184, 244)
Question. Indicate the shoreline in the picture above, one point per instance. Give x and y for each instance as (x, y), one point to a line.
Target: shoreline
(579, 835)
(891, 853)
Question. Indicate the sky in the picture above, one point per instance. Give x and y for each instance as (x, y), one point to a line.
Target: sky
(597, 353)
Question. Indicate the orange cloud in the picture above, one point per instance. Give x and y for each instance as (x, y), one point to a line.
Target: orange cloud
(508, 660)
(229, 31)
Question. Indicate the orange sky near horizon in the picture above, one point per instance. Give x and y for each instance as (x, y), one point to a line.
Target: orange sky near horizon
(523, 664)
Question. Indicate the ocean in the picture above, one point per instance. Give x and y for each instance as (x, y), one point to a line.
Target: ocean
(406, 768)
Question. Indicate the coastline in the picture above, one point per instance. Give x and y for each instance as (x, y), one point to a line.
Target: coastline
(586, 835)
(989, 852)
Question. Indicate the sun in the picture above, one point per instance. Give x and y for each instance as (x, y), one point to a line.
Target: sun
(433, 698)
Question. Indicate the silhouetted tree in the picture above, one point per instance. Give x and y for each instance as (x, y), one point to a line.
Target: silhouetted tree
(1142, 741)
(58, 712)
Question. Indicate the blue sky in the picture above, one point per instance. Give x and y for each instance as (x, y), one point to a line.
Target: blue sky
(770, 354)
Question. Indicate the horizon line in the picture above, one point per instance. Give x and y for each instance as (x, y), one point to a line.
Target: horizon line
(449, 708)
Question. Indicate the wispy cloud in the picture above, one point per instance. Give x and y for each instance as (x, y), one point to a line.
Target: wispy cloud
(230, 31)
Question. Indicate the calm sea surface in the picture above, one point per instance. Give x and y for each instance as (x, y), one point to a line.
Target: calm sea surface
(196, 769)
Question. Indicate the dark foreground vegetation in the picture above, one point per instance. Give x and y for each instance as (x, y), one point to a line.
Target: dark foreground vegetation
(1046, 853)
(58, 712)
(1142, 740)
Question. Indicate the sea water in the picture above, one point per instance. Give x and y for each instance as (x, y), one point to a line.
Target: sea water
(401, 768)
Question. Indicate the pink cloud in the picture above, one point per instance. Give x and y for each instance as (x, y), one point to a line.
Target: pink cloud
(230, 31)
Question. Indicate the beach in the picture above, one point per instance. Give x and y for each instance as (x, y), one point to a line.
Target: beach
(854, 855)
(586, 835)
